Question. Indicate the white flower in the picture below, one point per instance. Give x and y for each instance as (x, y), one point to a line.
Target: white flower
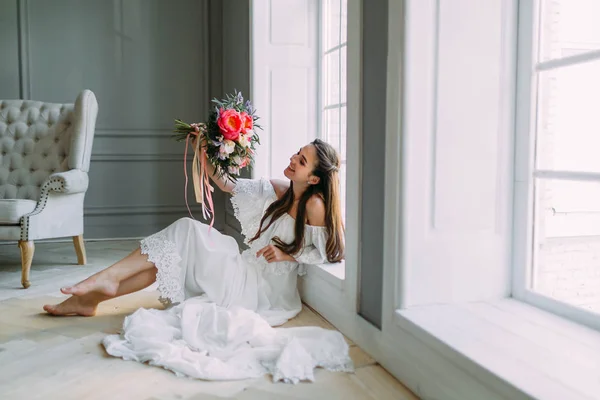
(230, 146)
(227, 147)
(223, 152)
(244, 140)
(237, 160)
(233, 170)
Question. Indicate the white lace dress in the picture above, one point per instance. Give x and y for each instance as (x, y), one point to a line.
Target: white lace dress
(225, 303)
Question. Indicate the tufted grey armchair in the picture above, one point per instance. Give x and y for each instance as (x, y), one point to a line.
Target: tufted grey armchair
(45, 151)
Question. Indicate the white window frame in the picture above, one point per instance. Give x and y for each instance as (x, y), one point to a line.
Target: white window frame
(528, 68)
(334, 295)
(322, 103)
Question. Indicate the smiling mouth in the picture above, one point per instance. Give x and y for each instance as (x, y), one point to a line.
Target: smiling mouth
(291, 169)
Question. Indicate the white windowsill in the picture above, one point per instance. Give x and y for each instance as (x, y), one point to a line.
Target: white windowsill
(538, 353)
(331, 273)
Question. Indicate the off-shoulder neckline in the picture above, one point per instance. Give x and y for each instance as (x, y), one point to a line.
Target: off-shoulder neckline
(274, 195)
(307, 225)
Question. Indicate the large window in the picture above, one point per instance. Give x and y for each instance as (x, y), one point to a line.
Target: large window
(562, 167)
(333, 45)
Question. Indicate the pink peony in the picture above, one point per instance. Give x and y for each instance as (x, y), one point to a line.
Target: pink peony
(230, 123)
(247, 122)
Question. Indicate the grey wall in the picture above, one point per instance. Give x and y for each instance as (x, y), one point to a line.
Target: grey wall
(374, 85)
(230, 69)
(146, 68)
(148, 62)
(9, 48)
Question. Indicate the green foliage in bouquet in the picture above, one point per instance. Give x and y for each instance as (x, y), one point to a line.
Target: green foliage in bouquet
(229, 137)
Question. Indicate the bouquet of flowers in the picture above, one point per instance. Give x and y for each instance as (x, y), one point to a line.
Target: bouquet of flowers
(229, 140)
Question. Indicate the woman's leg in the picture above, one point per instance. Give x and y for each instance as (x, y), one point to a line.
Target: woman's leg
(87, 303)
(107, 281)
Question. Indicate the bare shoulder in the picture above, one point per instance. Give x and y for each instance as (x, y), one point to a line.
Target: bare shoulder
(315, 210)
(280, 186)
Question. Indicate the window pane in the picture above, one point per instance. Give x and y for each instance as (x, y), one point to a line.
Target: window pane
(568, 136)
(343, 189)
(331, 24)
(331, 119)
(567, 242)
(568, 25)
(331, 75)
(344, 21)
(343, 133)
(343, 73)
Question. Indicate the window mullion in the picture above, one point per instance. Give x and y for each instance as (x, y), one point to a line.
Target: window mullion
(333, 106)
(334, 48)
(567, 175)
(568, 61)
(340, 79)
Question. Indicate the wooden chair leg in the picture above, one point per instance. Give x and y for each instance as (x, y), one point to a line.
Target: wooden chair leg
(80, 249)
(27, 250)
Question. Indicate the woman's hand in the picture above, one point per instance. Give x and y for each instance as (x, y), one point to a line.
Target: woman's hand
(194, 140)
(202, 154)
(273, 253)
(224, 184)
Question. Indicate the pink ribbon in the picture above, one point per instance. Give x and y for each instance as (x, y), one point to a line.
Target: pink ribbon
(202, 188)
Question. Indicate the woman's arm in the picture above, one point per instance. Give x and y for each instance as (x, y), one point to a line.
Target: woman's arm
(222, 183)
(315, 210)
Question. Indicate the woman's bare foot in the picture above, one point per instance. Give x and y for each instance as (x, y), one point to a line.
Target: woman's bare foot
(99, 283)
(74, 305)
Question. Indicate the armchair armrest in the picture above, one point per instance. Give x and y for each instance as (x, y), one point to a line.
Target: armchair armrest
(72, 181)
(59, 212)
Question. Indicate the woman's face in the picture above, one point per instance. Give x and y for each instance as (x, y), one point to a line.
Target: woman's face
(302, 165)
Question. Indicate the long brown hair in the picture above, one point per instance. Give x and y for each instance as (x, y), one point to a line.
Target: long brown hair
(328, 187)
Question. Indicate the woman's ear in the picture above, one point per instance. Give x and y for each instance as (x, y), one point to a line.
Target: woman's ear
(313, 180)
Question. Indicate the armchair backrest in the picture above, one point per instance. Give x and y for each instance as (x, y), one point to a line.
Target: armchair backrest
(38, 139)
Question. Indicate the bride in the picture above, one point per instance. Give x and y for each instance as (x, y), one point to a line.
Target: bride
(285, 224)
(223, 304)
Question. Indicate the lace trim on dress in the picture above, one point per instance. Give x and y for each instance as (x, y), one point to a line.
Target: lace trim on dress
(296, 363)
(250, 200)
(163, 253)
(335, 363)
(300, 372)
(248, 203)
(293, 365)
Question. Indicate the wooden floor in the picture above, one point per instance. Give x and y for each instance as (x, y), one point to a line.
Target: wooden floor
(61, 357)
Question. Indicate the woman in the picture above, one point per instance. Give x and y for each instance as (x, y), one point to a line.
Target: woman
(285, 224)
